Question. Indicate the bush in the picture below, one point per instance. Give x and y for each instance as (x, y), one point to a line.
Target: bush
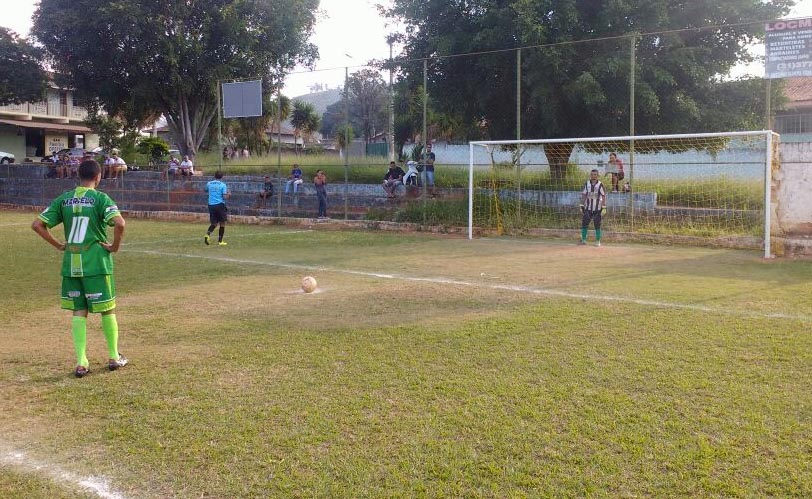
(154, 147)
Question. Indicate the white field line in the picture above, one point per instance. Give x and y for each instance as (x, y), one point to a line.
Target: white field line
(15, 224)
(96, 485)
(230, 236)
(501, 287)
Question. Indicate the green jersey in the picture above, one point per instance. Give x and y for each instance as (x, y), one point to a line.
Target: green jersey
(85, 214)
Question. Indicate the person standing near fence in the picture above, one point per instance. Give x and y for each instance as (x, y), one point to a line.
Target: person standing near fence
(593, 206)
(427, 160)
(320, 184)
(87, 262)
(218, 213)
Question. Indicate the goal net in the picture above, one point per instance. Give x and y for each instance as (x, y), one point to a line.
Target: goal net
(694, 188)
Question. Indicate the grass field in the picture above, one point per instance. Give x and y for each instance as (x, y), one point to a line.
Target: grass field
(425, 366)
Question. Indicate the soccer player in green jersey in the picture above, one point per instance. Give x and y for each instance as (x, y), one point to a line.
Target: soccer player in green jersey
(87, 265)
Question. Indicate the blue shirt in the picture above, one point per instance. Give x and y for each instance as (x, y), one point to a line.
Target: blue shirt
(217, 190)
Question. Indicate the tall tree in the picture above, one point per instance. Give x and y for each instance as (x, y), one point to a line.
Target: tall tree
(367, 100)
(22, 79)
(580, 89)
(142, 58)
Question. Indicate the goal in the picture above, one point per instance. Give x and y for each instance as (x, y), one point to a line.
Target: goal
(708, 188)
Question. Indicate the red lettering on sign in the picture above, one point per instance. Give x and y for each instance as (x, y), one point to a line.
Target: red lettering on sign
(792, 24)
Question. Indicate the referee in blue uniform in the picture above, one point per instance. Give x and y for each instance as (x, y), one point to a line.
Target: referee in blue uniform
(218, 213)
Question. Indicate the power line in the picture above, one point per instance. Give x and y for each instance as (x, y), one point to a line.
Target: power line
(556, 44)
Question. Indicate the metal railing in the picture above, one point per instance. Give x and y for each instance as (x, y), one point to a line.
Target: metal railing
(46, 109)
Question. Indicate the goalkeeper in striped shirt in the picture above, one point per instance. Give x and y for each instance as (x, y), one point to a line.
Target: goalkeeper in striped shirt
(87, 264)
(593, 206)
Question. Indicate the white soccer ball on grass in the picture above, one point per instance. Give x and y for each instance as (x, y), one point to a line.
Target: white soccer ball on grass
(309, 284)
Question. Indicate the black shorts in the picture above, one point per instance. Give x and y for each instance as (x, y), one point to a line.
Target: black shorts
(591, 216)
(218, 213)
(619, 175)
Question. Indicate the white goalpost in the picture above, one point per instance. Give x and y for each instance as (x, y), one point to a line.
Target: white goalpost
(704, 188)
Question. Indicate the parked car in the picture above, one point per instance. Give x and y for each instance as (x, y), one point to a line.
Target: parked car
(73, 152)
(6, 158)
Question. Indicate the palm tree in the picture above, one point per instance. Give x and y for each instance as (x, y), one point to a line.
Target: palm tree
(281, 107)
(304, 119)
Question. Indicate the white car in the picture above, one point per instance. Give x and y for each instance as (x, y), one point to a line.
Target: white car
(6, 158)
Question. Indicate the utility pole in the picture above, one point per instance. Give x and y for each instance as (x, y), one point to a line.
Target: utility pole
(391, 140)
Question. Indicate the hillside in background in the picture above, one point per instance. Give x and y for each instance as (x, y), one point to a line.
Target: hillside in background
(321, 100)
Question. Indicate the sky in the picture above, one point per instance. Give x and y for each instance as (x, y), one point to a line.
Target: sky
(348, 33)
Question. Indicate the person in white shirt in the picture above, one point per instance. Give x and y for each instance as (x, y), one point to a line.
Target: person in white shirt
(115, 165)
(187, 167)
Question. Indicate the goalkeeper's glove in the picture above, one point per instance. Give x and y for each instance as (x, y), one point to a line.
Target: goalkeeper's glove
(582, 207)
(603, 210)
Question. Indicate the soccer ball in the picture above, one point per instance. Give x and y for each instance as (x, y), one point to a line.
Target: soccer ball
(309, 284)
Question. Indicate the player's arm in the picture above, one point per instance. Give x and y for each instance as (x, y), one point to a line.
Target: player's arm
(118, 234)
(39, 227)
(602, 199)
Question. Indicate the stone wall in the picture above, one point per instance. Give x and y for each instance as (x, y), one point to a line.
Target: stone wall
(791, 210)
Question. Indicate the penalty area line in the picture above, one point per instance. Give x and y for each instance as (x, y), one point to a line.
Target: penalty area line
(96, 485)
(197, 239)
(500, 287)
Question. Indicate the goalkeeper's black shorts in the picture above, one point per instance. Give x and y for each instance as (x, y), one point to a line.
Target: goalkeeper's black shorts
(591, 216)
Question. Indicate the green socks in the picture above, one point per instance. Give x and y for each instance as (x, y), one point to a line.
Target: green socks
(583, 233)
(79, 331)
(598, 235)
(110, 328)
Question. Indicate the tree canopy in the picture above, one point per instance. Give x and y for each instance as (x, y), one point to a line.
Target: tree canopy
(141, 59)
(368, 98)
(572, 87)
(22, 79)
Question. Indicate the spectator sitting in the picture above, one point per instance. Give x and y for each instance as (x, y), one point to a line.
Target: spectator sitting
(72, 167)
(294, 180)
(60, 163)
(266, 192)
(172, 167)
(392, 179)
(52, 170)
(615, 168)
(115, 165)
(187, 168)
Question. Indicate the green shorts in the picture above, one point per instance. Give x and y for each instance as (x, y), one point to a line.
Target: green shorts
(94, 293)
